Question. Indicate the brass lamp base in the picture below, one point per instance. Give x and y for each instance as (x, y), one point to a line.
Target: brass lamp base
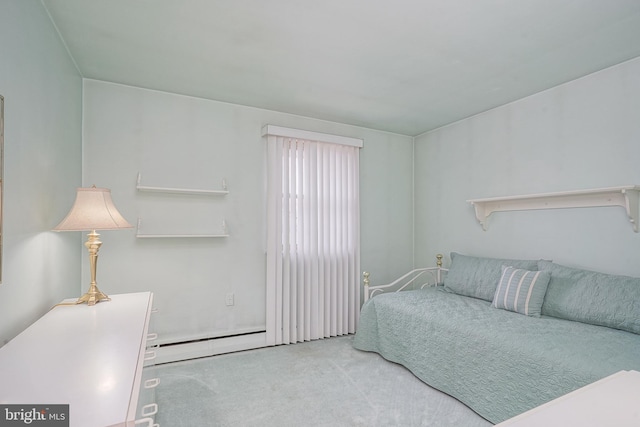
(93, 296)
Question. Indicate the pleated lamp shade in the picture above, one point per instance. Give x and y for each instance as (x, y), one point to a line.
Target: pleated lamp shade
(93, 210)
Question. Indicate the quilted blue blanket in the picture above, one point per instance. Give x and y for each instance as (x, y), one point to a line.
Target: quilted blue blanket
(498, 363)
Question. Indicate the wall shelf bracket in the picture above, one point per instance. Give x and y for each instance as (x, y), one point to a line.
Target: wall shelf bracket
(626, 197)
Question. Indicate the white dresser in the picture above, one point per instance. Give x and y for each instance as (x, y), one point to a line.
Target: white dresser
(613, 401)
(90, 357)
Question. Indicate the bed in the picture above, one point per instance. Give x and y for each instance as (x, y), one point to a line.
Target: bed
(504, 336)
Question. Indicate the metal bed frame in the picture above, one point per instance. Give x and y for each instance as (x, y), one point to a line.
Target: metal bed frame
(432, 276)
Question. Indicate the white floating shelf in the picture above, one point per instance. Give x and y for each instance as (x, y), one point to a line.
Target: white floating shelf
(223, 233)
(141, 187)
(625, 197)
(164, 236)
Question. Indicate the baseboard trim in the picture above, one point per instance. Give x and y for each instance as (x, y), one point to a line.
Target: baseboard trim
(204, 348)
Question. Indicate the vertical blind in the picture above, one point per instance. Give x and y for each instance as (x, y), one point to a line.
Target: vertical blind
(313, 234)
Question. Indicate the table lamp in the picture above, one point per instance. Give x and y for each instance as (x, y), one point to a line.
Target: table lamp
(93, 210)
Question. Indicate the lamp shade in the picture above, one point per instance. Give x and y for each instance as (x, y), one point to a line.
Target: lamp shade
(93, 210)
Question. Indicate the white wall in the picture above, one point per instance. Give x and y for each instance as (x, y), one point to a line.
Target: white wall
(179, 141)
(580, 135)
(42, 165)
(583, 134)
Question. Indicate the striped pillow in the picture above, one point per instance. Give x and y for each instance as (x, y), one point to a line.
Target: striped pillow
(521, 291)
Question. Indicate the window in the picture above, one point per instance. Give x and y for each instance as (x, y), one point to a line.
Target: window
(313, 256)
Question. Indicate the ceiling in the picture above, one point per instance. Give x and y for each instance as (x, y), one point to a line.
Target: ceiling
(403, 66)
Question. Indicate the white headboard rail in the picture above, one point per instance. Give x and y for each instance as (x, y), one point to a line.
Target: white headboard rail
(433, 276)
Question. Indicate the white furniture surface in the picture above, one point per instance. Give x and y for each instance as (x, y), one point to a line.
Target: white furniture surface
(626, 197)
(90, 357)
(612, 401)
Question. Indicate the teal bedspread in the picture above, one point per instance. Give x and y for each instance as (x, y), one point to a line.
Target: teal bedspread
(498, 363)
